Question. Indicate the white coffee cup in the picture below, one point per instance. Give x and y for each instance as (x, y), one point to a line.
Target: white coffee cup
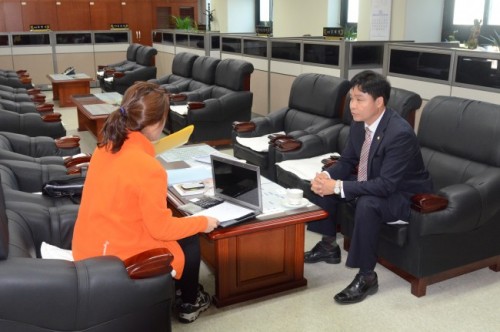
(294, 196)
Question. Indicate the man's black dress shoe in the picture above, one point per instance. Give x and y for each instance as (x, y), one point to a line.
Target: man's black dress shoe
(358, 289)
(320, 252)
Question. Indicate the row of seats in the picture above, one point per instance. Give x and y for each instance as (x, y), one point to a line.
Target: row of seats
(457, 142)
(138, 66)
(23, 110)
(19, 79)
(216, 93)
(97, 294)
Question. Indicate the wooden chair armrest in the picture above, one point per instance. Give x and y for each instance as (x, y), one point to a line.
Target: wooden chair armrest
(21, 71)
(77, 169)
(67, 142)
(25, 80)
(45, 108)
(118, 74)
(34, 91)
(274, 137)
(176, 97)
(426, 203)
(286, 144)
(330, 161)
(150, 263)
(77, 159)
(109, 71)
(243, 127)
(38, 98)
(195, 105)
(101, 67)
(327, 163)
(51, 117)
(23, 75)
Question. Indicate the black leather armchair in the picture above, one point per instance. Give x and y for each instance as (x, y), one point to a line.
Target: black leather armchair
(143, 70)
(212, 110)
(31, 91)
(16, 82)
(22, 181)
(203, 76)
(334, 138)
(182, 69)
(23, 107)
(41, 149)
(456, 230)
(95, 294)
(121, 66)
(315, 103)
(32, 124)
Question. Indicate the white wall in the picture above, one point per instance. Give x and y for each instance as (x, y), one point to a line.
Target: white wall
(418, 20)
(333, 16)
(292, 18)
(241, 16)
(428, 29)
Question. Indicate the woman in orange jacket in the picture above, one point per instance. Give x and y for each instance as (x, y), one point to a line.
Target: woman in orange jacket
(123, 209)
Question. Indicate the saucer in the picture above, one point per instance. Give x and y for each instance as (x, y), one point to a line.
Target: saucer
(302, 203)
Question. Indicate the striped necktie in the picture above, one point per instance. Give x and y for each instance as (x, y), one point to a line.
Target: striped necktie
(363, 159)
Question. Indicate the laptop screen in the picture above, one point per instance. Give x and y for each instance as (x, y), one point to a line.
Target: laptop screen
(237, 182)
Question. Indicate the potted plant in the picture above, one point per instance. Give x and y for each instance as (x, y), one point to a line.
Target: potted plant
(494, 39)
(184, 23)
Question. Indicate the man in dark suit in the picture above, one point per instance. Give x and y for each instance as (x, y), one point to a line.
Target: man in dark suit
(379, 170)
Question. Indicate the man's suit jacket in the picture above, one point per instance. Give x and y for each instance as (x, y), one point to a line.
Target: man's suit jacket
(395, 165)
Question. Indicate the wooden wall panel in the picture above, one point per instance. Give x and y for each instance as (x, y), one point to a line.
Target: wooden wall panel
(138, 15)
(104, 13)
(39, 12)
(2, 18)
(12, 17)
(73, 15)
(70, 15)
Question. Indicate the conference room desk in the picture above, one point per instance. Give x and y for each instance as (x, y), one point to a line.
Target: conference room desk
(255, 258)
(64, 86)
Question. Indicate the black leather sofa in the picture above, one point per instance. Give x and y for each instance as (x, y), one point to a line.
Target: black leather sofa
(32, 124)
(22, 181)
(41, 149)
(120, 66)
(101, 294)
(213, 109)
(182, 69)
(334, 138)
(315, 103)
(455, 231)
(121, 78)
(202, 76)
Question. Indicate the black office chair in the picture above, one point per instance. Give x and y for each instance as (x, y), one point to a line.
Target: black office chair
(334, 138)
(98, 294)
(315, 103)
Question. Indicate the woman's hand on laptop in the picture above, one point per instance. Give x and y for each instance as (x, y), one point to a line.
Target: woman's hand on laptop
(212, 224)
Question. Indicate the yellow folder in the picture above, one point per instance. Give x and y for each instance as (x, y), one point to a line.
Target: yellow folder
(174, 140)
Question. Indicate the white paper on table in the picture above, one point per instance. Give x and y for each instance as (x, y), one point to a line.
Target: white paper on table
(306, 168)
(179, 109)
(259, 144)
(225, 211)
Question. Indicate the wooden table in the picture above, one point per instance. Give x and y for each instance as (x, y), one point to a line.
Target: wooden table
(87, 121)
(255, 258)
(64, 86)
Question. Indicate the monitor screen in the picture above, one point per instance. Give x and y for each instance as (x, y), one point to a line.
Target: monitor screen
(237, 182)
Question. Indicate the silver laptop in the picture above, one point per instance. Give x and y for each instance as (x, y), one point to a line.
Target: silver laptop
(237, 182)
(238, 186)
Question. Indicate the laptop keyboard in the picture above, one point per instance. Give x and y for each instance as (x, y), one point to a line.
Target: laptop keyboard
(207, 201)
